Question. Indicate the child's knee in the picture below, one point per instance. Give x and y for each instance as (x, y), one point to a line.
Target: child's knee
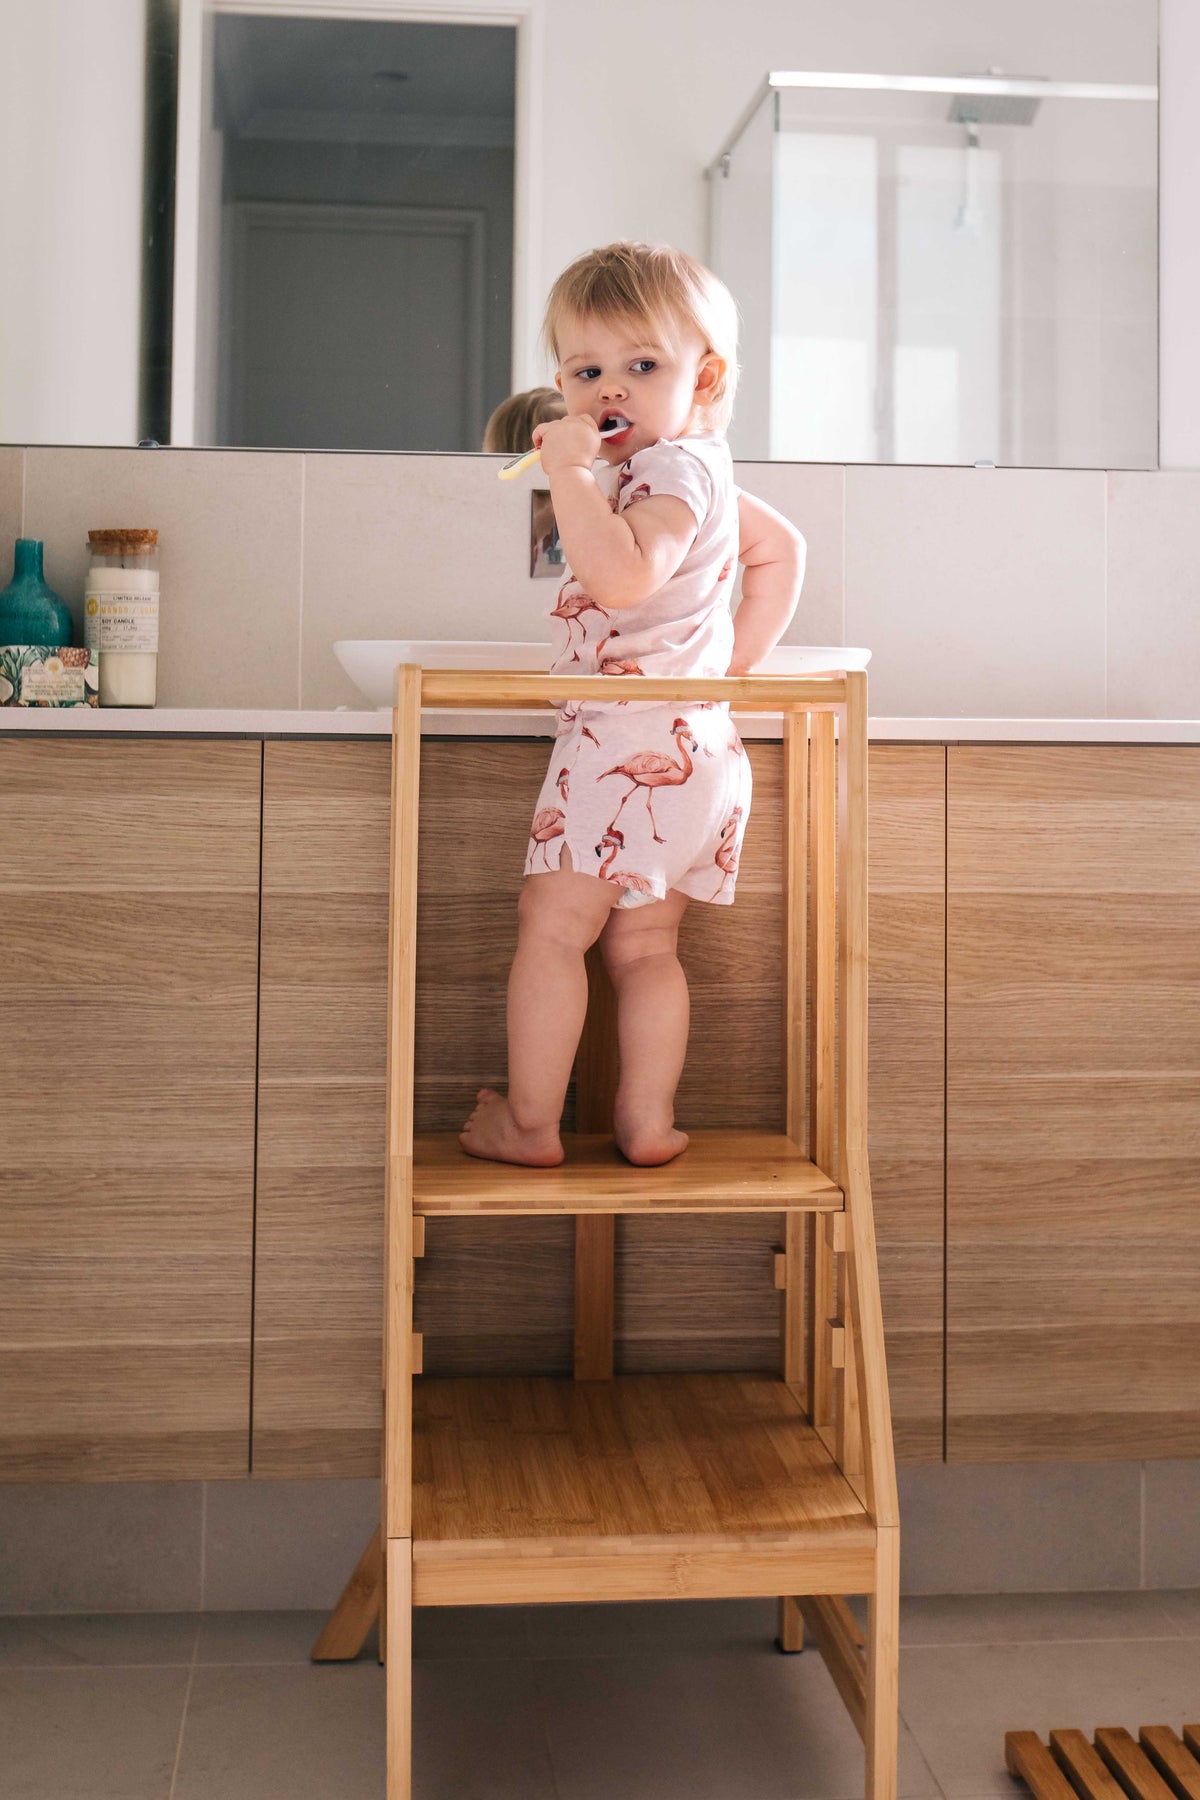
(556, 910)
(621, 947)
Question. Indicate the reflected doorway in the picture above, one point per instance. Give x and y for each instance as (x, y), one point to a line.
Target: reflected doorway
(355, 267)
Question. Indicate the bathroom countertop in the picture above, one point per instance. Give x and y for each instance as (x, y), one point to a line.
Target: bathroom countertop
(438, 722)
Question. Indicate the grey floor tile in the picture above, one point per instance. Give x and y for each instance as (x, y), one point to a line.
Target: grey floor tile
(729, 1726)
(90, 1734)
(650, 1627)
(258, 1733)
(959, 1701)
(479, 1733)
(467, 1632)
(266, 1637)
(89, 1640)
(1041, 1618)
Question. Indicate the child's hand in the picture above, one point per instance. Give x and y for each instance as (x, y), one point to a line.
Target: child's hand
(570, 443)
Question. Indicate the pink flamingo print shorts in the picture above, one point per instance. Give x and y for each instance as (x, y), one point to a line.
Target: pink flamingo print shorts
(651, 799)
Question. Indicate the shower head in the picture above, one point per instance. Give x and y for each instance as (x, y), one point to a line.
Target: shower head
(996, 108)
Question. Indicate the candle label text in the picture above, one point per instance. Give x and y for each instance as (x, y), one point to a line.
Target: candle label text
(120, 622)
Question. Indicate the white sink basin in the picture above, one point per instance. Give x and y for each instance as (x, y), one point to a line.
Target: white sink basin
(371, 663)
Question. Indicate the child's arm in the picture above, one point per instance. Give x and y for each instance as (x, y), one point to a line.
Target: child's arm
(773, 553)
(617, 558)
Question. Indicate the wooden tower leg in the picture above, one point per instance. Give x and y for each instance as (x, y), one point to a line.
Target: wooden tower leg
(399, 1669)
(883, 1661)
(401, 1350)
(797, 1368)
(345, 1630)
(822, 972)
(595, 1091)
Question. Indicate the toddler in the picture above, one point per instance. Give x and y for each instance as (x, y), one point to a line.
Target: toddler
(644, 805)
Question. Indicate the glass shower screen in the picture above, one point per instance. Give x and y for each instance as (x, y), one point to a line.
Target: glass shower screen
(933, 270)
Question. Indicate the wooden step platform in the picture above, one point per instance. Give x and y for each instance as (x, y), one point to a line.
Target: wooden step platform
(720, 1171)
(641, 1488)
(1157, 1765)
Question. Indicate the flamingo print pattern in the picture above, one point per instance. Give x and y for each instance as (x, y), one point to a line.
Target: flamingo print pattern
(548, 822)
(693, 816)
(625, 878)
(572, 603)
(615, 665)
(682, 766)
(650, 769)
(729, 849)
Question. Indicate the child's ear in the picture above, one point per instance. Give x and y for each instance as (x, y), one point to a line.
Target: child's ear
(558, 379)
(709, 377)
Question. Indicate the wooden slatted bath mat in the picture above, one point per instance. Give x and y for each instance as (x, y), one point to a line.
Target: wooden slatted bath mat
(1157, 1765)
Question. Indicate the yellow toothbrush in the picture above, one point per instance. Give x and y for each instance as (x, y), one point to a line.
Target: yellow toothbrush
(510, 470)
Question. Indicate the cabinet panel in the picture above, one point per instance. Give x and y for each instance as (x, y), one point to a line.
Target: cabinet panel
(906, 1026)
(1074, 1102)
(497, 1297)
(129, 916)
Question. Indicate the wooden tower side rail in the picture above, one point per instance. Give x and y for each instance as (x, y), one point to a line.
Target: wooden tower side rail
(395, 1614)
(494, 689)
(864, 1314)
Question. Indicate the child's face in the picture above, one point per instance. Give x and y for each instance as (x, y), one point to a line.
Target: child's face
(621, 366)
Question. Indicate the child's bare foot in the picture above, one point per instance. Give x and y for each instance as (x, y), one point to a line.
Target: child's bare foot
(492, 1132)
(647, 1138)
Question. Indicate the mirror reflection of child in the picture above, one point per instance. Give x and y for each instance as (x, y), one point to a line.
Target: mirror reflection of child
(644, 805)
(510, 430)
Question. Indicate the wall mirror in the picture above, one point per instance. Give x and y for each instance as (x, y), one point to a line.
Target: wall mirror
(330, 224)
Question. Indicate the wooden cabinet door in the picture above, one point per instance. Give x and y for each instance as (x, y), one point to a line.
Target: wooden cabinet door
(1073, 1102)
(321, 1109)
(129, 919)
(906, 879)
(497, 1295)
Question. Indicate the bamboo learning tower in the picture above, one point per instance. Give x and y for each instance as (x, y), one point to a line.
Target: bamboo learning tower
(500, 1490)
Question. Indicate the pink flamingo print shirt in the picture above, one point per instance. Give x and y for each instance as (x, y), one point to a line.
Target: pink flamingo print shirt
(647, 796)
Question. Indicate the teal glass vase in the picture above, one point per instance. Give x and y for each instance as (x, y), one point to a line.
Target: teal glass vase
(31, 612)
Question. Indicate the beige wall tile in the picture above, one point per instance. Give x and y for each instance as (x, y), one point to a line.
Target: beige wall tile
(229, 524)
(436, 546)
(12, 467)
(1153, 595)
(413, 546)
(980, 592)
(812, 497)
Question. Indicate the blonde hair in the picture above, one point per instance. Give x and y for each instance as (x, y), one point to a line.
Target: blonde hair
(510, 427)
(656, 285)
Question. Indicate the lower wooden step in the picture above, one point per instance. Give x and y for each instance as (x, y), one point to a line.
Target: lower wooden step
(720, 1171)
(1158, 1765)
(640, 1488)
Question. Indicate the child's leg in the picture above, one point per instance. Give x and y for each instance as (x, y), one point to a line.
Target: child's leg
(559, 915)
(639, 949)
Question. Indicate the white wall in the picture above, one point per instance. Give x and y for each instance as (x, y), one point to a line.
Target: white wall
(71, 130)
(640, 94)
(1179, 238)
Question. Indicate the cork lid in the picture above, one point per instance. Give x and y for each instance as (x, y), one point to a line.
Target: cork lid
(122, 541)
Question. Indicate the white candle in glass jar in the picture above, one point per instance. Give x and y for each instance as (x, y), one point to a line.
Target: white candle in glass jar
(121, 628)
